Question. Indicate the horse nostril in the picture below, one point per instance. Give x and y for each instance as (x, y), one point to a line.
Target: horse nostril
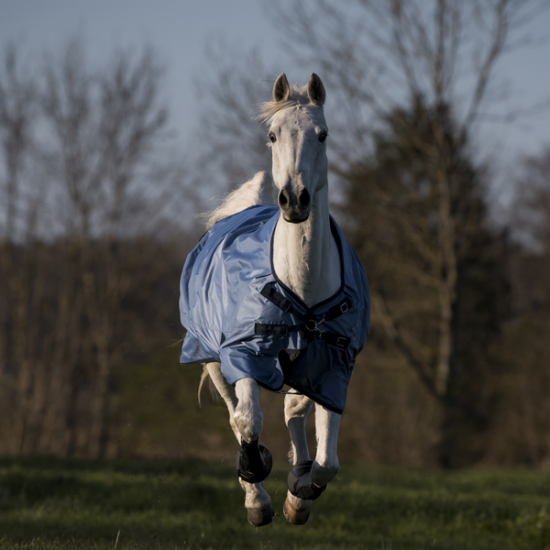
(283, 198)
(304, 198)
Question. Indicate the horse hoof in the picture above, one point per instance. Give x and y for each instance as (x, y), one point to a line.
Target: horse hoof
(296, 517)
(262, 517)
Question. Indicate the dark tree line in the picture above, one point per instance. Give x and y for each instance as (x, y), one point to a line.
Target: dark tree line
(79, 244)
(395, 220)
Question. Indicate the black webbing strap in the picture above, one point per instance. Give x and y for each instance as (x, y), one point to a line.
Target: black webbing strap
(270, 330)
(276, 298)
(336, 311)
(276, 330)
(334, 339)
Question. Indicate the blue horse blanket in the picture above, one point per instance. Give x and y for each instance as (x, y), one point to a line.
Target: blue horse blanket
(237, 312)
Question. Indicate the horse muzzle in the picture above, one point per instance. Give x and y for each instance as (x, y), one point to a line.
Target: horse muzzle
(295, 206)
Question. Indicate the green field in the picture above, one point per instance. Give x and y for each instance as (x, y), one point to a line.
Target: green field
(74, 504)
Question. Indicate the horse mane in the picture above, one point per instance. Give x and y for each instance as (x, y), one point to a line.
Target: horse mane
(259, 190)
(297, 96)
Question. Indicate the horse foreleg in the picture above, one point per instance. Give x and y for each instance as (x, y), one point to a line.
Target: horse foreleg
(248, 414)
(257, 500)
(257, 503)
(297, 408)
(252, 461)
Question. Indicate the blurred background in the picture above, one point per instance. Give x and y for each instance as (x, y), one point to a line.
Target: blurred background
(120, 122)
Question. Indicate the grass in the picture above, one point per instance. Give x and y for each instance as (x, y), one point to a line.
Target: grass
(48, 503)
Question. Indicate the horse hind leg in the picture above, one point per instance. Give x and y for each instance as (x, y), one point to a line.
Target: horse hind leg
(257, 501)
(326, 466)
(308, 479)
(226, 392)
(297, 408)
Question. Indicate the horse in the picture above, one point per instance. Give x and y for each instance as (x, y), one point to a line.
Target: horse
(272, 295)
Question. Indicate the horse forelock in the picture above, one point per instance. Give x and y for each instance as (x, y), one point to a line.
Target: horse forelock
(298, 96)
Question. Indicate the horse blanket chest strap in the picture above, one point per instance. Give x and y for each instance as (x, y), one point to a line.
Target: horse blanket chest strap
(309, 327)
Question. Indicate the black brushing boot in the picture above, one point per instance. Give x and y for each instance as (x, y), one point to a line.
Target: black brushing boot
(254, 462)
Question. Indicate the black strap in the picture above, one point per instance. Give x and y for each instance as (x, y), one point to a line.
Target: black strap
(282, 330)
(270, 330)
(276, 298)
(261, 329)
(335, 339)
(281, 302)
(336, 311)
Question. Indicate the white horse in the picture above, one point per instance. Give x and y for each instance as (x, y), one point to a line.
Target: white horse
(306, 259)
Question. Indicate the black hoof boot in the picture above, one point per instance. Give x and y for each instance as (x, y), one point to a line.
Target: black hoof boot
(300, 484)
(262, 517)
(254, 462)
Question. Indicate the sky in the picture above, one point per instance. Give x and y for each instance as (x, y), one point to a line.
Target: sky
(180, 31)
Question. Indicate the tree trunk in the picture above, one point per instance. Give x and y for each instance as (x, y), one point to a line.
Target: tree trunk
(100, 409)
(448, 403)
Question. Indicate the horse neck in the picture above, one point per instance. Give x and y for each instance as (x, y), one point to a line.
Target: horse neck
(305, 255)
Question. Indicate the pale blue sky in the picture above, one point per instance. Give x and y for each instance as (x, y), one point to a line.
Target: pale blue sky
(181, 29)
(178, 29)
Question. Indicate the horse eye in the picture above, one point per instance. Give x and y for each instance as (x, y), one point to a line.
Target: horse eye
(322, 136)
(272, 137)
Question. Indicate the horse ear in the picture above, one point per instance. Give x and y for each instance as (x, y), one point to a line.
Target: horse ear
(281, 90)
(315, 90)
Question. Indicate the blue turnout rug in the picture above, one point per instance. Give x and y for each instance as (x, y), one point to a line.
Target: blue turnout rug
(237, 312)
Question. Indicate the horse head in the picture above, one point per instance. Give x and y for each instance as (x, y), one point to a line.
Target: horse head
(297, 132)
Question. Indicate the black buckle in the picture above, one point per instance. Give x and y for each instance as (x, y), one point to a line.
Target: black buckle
(337, 310)
(342, 342)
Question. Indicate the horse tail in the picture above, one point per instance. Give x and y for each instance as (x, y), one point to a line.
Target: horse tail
(259, 190)
(206, 379)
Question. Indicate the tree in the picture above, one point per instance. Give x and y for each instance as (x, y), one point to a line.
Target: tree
(82, 149)
(521, 413)
(531, 206)
(103, 129)
(393, 215)
(232, 139)
(20, 274)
